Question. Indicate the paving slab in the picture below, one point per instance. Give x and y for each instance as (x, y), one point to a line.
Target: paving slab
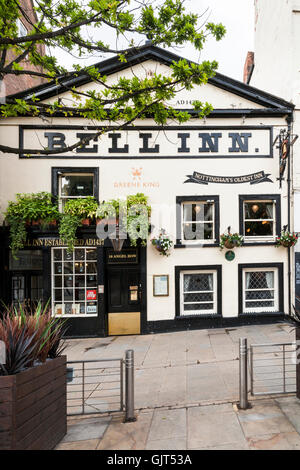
(216, 428)
(168, 423)
(87, 429)
(127, 436)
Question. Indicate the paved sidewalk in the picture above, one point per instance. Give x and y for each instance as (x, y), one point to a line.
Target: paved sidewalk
(271, 424)
(186, 389)
(182, 368)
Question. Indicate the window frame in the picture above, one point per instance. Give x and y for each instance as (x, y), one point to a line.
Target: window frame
(278, 287)
(262, 240)
(57, 172)
(73, 274)
(179, 272)
(180, 201)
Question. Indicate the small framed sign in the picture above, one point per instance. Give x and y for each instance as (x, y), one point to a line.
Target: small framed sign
(161, 285)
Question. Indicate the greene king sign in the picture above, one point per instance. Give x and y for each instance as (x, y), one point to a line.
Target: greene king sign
(151, 142)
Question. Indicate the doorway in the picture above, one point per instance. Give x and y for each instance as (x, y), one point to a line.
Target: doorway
(26, 288)
(124, 300)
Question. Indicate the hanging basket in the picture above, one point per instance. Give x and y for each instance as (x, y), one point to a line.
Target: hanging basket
(228, 244)
(287, 244)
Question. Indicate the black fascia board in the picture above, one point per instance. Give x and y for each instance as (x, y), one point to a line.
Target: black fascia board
(148, 52)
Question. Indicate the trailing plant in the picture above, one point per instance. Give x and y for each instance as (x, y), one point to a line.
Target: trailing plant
(132, 215)
(28, 207)
(68, 225)
(230, 240)
(29, 338)
(163, 243)
(287, 239)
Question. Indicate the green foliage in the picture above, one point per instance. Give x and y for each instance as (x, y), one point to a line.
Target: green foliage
(287, 239)
(67, 229)
(162, 243)
(28, 207)
(64, 25)
(133, 215)
(82, 207)
(29, 338)
(230, 240)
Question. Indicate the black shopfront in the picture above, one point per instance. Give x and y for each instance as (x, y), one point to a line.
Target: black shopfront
(100, 291)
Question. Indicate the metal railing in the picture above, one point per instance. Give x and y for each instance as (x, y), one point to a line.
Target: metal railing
(272, 368)
(98, 385)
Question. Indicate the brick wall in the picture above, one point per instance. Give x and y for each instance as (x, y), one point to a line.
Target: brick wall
(14, 84)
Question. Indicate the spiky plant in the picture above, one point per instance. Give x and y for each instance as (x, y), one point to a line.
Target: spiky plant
(30, 337)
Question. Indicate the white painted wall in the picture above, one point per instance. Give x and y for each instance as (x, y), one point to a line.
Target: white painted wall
(277, 70)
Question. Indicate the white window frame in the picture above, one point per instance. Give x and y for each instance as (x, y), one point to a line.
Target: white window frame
(85, 288)
(62, 198)
(212, 311)
(275, 289)
(183, 222)
(270, 238)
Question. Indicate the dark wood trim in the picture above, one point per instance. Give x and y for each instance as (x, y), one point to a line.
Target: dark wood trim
(142, 128)
(152, 52)
(55, 172)
(280, 287)
(215, 267)
(212, 322)
(179, 201)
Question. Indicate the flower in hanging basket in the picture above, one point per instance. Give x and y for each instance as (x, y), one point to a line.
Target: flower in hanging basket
(230, 240)
(163, 243)
(287, 239)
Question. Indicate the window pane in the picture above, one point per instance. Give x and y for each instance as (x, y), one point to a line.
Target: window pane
(198, 282)
(259, 210)
(259, 294)
(79, 254)
(68, 256)
(201, 211)
(91, 254)
(79, 268)
(68, 281)
(199, 231)
(199, 297)
(264, 228)
(260, 280)
(68, 268)
(188, 307)
(77, 185)
(79, 281)
(91, 267)
(260, 305)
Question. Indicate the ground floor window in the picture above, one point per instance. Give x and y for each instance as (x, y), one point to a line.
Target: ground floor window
(198, 292)
(74, 281)
(260, 290)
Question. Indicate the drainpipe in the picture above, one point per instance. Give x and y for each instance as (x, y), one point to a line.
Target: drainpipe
(289, 120)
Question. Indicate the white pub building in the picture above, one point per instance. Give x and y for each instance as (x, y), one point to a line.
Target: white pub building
(204, 177)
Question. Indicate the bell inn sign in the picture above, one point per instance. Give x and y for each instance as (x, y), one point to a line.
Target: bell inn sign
(150, 142)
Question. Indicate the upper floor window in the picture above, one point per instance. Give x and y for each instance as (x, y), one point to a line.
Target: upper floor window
(197, 219)
(72, 183)
(260, 218)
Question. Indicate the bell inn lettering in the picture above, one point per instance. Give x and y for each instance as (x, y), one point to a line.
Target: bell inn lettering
(153, 142)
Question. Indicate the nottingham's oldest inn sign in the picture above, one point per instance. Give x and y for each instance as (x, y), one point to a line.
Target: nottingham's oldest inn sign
(253, 178)
(151, 142)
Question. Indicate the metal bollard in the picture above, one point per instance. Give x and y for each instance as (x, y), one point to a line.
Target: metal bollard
(129, 386)
(243, 404)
